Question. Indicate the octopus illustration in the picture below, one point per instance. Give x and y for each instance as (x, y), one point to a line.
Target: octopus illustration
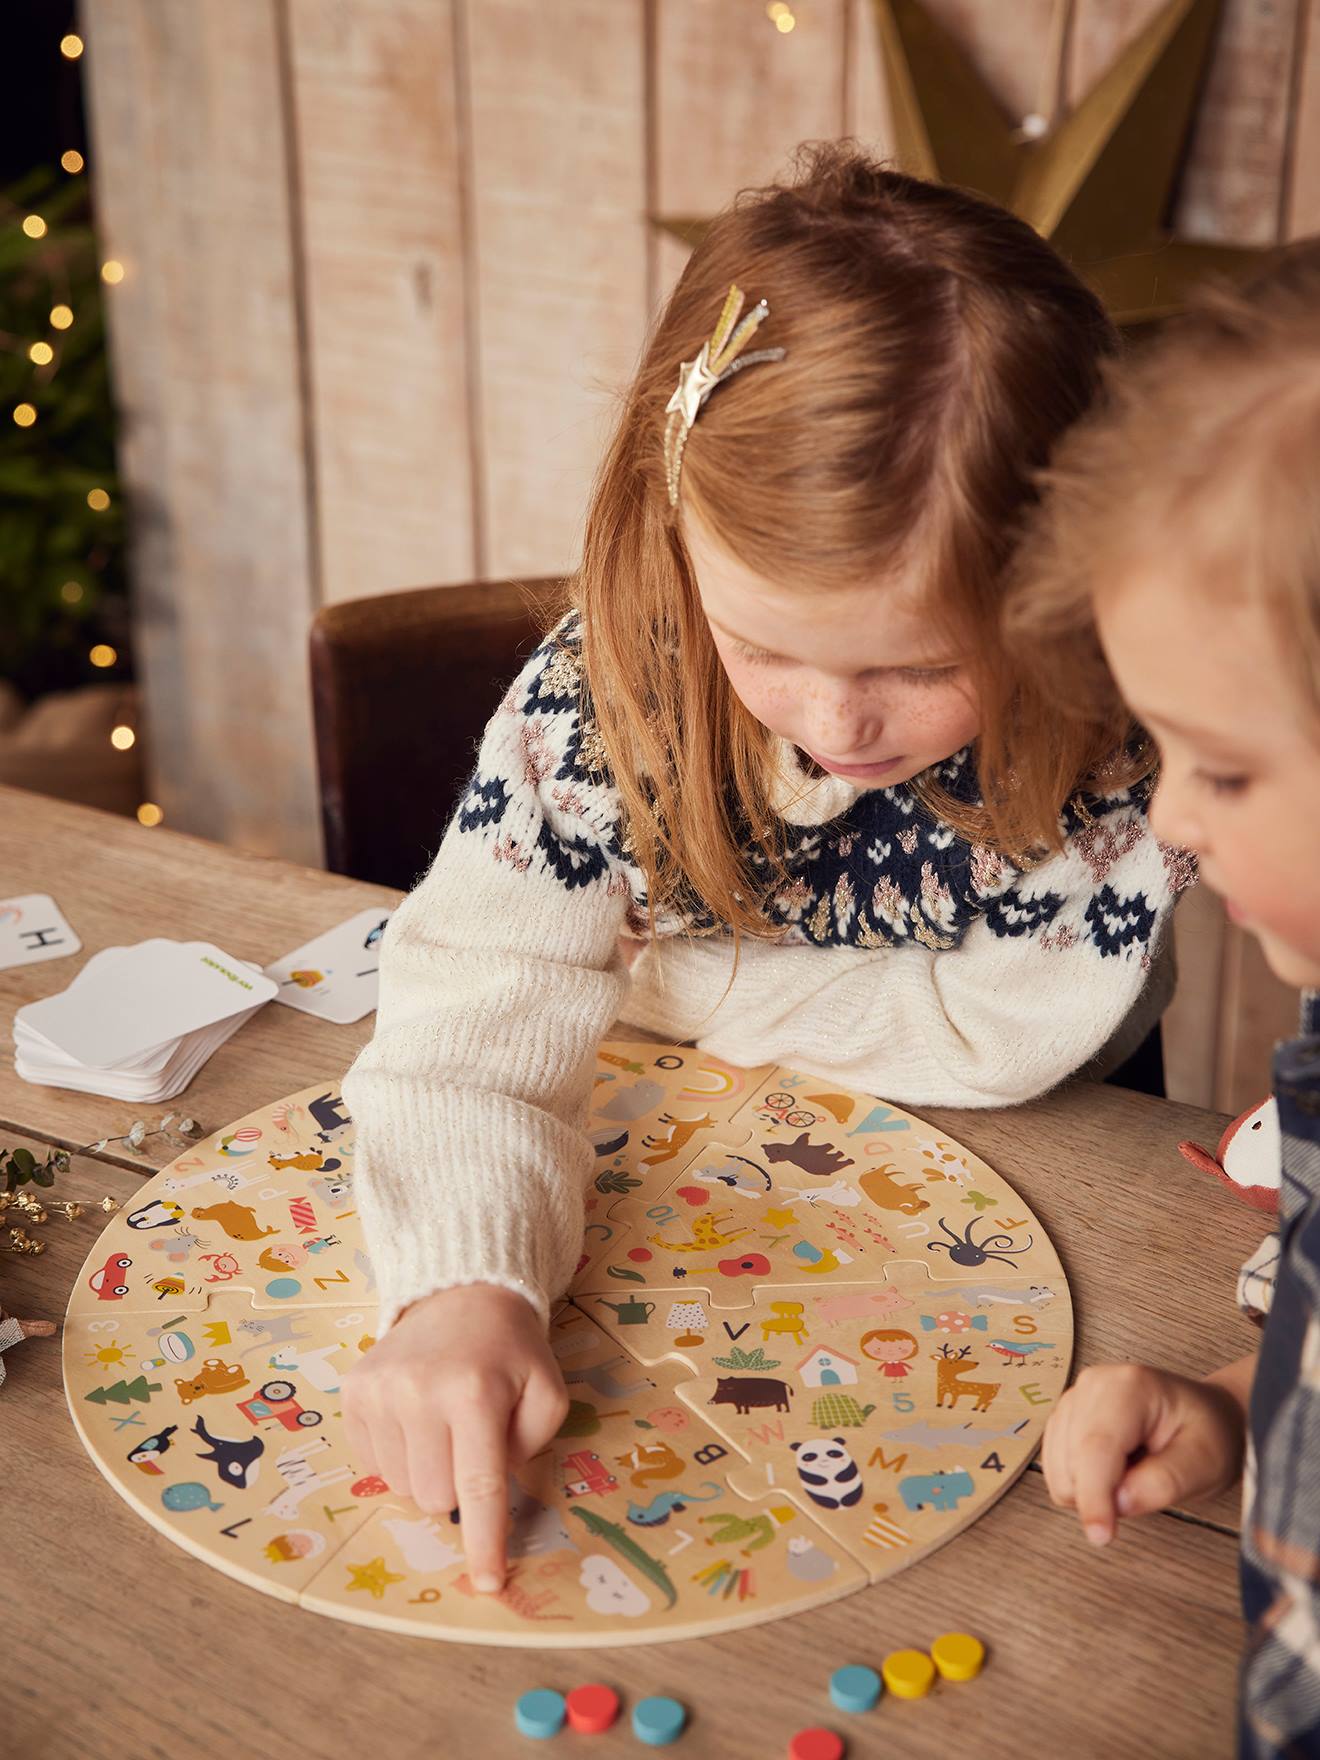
(964, 1249)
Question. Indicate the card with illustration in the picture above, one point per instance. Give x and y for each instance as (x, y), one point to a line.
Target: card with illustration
(33, 928)
(336, 975)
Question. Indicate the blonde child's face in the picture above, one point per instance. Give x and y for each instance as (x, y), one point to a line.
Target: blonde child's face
(857, 679)
(1239, 755)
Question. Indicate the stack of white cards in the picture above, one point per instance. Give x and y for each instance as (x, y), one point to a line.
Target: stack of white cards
(137, 1023)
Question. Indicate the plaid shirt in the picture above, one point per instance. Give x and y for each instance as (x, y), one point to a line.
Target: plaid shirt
(1280, 1707)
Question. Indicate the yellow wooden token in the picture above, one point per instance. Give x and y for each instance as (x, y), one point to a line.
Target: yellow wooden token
(908, 1673)
(958, 1656)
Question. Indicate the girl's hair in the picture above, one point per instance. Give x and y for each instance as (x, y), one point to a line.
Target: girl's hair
(886, 1335)
(1202, 457)
(936, 348)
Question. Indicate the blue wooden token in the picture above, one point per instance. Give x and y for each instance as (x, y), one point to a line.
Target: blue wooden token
(539, 1713)
(855, 1688)
(658, 1721)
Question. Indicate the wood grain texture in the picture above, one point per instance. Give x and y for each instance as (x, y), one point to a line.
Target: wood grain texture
(1150, 1248)
(1231, 191)
(1257, 1009)
(557, 172)
(1160, 1607)
(1302, 207)
(1193, 1023)
(374, 114)
(734, 98)
(866, 96)
(192, 195)
(118, 883)
(1020, 65)
(1232, 184)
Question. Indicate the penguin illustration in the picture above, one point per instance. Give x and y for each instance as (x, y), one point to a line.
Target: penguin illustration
(148, 1452)
(159, 1213)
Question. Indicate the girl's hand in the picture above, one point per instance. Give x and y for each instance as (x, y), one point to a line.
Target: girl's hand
(459, 1391)
(1188, 1438)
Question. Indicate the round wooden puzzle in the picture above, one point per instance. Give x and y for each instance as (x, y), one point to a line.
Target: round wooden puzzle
(809, 1340)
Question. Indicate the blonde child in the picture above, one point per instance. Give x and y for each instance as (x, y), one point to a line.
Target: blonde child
(778, 744)
(1187, 518)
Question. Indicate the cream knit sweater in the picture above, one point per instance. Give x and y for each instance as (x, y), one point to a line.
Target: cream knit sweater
(913, 965)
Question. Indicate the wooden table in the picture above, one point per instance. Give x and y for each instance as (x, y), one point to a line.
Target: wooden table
(121, 1645)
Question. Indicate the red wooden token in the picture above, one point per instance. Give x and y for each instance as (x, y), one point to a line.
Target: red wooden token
(816, 1744)
(591, 1710)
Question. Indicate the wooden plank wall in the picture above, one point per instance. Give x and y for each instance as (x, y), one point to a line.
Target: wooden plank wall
(388, 261)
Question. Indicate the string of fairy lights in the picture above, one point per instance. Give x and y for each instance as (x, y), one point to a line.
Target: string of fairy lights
(44, 356)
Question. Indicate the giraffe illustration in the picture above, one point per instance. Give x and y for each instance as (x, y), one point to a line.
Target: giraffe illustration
(707, 1235)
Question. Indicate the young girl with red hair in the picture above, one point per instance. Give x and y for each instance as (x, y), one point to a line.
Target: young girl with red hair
(778, 745)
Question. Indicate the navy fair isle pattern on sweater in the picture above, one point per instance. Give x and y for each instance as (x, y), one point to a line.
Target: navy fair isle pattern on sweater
(884, 873)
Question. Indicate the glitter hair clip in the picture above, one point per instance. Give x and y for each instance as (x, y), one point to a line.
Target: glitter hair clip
(719, 359)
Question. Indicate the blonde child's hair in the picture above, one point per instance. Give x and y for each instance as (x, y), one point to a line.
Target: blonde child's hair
(936, 348)
(1202, 455)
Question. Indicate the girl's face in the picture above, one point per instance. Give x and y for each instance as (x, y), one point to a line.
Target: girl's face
(857, 679)
(891, 1350)
(1239, 756)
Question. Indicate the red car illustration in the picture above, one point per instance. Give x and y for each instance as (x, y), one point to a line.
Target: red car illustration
(275, 1400)
(108, 1282)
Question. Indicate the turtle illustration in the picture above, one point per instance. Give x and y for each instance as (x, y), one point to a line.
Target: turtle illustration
(835, 1411)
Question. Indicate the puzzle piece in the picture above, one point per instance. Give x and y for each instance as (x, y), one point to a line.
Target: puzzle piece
(806, 1376)
(222, 1427)
(263, 1206)
(649, 1102)
(607, 1538)
(864, 1308)
(730, 1221)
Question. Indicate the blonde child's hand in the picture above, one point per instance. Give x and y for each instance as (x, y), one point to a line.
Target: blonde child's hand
(461, 1390)
(1188, 1437)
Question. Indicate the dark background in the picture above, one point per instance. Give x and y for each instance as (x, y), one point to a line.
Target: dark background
(41, 113)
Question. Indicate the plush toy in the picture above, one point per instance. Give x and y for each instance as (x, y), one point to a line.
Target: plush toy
(1249, 1156)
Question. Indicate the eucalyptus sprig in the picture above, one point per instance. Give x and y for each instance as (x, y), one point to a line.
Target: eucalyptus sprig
(20, 1167)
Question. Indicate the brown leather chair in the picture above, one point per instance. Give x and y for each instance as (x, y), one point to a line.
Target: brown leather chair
(402, 686)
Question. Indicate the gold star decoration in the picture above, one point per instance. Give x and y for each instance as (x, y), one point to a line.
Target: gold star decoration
(373, 1577)
(1098, 185)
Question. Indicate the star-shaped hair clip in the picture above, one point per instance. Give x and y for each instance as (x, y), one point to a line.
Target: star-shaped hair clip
(718, 360)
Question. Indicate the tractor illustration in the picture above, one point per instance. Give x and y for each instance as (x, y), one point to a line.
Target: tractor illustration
(275, 1400)
(585, 1472)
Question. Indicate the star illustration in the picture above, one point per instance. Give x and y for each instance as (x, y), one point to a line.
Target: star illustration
(372, 1577)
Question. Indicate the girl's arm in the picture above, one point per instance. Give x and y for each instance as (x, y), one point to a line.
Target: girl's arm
(1043, 980)
(499, 976)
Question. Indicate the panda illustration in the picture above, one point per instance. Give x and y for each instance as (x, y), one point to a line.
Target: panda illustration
(828, 1473)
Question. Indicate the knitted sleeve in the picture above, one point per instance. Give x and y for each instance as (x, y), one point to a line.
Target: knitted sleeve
(1059, 965)
(499, 975)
